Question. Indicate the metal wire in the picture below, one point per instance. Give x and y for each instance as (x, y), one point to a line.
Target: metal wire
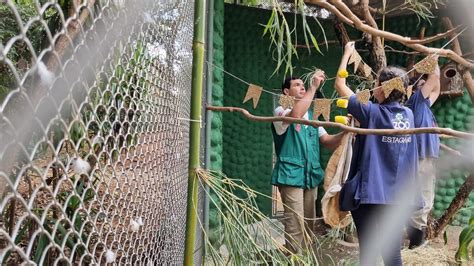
(93, 156)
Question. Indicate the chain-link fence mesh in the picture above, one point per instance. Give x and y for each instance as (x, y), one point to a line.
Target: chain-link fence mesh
(94, 130)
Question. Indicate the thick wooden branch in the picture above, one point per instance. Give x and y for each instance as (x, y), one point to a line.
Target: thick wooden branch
(377, 53)
(359, 12)
(72, 30)
(453, 94)
(459, 201)
(411, 59)
(358, 24)
(329, 42)
(343, 37)
(341, 33)
(465, 73)
(333, 9)
(362, 131)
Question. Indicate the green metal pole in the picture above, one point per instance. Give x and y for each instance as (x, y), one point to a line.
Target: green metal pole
(195, 129)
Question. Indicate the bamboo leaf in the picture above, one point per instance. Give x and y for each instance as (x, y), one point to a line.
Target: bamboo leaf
(269, 23)
(18, 238)
(40, 247)
(324, 35)
(465, 239)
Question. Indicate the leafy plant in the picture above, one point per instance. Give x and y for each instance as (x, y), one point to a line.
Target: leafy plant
(246, 234)
(465, 239)
(281, 34)
(19, 54)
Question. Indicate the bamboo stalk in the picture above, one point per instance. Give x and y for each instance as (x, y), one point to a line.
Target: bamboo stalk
(362, 131)
(195, 127)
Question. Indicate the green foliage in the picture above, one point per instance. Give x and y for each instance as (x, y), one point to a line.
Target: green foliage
(246, 233)
(422, 8)
(465, 239)
(20, 52)
(281, 35)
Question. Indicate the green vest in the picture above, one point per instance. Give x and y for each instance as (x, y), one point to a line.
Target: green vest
(297, 157)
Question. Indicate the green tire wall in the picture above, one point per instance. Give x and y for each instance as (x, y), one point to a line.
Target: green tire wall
(458, 114)
(216, 120)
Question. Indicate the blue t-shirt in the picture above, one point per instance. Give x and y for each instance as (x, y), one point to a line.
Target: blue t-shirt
(386, 163)
(428, 144)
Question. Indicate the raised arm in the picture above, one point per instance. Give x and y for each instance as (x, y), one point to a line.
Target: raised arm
(340, 84)
(302, 105)
(431, 89)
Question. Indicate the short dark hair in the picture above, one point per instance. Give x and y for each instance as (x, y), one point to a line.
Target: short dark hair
(416, 79)
(287, 83)
(388, 73)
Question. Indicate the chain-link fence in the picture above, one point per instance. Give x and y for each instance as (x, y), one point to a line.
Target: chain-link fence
(94, 130)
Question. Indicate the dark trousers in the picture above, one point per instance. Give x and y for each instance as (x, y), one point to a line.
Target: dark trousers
(368, 221)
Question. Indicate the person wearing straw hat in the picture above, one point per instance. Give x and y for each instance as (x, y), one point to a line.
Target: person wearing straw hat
(383, 167)
(426, 91)
(297, 171)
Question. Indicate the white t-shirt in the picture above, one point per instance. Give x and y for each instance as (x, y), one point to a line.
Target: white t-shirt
(281, 127)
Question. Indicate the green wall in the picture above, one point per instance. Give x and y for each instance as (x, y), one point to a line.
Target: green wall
(247, 145)
(216, 120)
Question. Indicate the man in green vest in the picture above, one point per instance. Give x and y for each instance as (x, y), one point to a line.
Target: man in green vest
(297, 171)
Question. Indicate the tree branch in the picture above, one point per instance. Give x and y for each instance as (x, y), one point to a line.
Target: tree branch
(347, 14)
(465, 73)
(459, 200)
(72, 30)
(329, 42)
(332, 9)
(362, 131)
(377, 53)
(468, 54)
(450, 32)
(449, 150)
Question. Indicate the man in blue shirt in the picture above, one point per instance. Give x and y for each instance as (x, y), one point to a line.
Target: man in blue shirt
(383, 165)
(426, 91)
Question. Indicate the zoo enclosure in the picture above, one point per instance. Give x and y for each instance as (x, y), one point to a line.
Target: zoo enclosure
(94, 117)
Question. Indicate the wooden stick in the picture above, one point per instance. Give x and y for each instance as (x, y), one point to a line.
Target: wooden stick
(362, 131)
(452, 93)
(450, 150)
(377, 51)
(458, 202)
(73, 28)
(436, 37)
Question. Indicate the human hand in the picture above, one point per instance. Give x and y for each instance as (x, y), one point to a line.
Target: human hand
(349, 48)
(318, 77)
